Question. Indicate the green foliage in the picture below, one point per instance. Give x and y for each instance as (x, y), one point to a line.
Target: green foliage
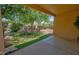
(15, 26)
(77, 22)
(32, 41)
(20, 15)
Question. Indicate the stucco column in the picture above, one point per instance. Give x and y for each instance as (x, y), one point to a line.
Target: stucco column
(1, 37)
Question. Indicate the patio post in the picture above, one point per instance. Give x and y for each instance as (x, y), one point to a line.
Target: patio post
(1, 37)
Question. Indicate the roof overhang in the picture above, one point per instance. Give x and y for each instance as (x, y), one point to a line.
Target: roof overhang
(55, 9)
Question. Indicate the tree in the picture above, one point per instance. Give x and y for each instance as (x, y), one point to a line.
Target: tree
(12, 13)
(20, 15)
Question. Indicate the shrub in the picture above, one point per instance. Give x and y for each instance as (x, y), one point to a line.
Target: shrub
(77, 22)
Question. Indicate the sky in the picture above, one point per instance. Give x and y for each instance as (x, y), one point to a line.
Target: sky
(51, 18)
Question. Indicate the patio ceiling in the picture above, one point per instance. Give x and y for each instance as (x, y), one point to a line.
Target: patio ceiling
(55, 9)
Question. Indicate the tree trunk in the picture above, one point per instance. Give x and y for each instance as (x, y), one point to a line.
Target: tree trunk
(38, 30)
(32, 27)
(1, 37)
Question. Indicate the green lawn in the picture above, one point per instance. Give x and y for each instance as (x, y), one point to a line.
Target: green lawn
(20, 40)
(31, 41)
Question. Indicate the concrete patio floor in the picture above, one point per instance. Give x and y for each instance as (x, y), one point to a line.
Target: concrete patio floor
(50, 46)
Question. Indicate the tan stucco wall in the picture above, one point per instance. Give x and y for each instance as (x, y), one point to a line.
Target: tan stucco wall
(64, 27)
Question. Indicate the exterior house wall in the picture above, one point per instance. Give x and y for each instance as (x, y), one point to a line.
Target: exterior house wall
(64, 26)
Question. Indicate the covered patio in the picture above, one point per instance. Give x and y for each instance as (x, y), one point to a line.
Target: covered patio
(64, 39)
(50, 46)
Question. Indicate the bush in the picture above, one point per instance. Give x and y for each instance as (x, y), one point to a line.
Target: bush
(15, 27)
(77, 22)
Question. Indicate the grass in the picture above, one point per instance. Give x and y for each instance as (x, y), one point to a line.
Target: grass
(25, 38)
(25, 44)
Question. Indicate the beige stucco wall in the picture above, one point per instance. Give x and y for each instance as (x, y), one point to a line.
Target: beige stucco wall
(64, 25)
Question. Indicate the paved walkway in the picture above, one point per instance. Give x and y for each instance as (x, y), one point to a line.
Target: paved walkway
(50, 46)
